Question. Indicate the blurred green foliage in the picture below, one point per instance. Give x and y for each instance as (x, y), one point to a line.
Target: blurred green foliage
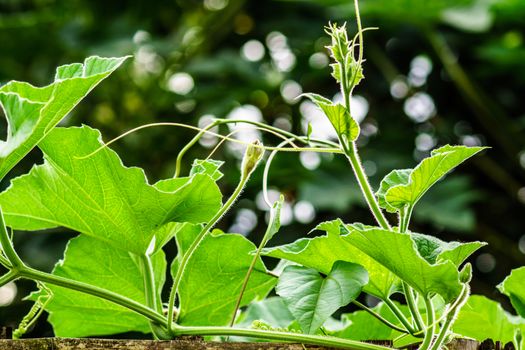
(436, 72)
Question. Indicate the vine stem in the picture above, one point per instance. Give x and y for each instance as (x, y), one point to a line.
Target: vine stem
(8, 277)
(262, 126)
(186, 257)
(400, 316)
(36, 275)
(404, 220)
(274, 215)
(152, 298)
(451, 316)
(7, 246)
(381, 318)
(280, 336)
(429, 331)
(366, 189)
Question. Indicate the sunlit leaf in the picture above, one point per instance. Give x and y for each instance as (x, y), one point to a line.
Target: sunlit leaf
(32, 112)
(513, 287)
(99, 197)
(88, 260)
(214, 275)
(403, 188)
(338, 115)
(434, 250)
(399, 254)
(312, 298)
(482, 318)
(320, 253)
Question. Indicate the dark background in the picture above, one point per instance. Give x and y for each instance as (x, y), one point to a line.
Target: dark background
(436, 72)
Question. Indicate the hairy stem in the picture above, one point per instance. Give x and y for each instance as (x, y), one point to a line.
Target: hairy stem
(35, 275)
(280, 336)
(404, 219)
(451, 316)
(366, 189)
(380, 318)
(186, 257)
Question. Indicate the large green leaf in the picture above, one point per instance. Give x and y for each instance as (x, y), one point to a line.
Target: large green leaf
(75, 314)
(338, 115)
(312, 298)
(214, 275)
(399, 253)
(32, 112)
(513, 287)
(320, 253)
(99, 197)
(403, 188)
(482, 318)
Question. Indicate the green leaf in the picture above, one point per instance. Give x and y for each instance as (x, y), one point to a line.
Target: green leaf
(88, 260)
(209, 167)
(312, 298)
(512, 287)
(435, 250)
(101, 198)
(338, 115)
(392, 179)
(33, 112)
(272, 311)
(403, 188)
(274, 223)
(320, 253)
(214, 275)
(363, 326)
(399, 253)
(482, 318)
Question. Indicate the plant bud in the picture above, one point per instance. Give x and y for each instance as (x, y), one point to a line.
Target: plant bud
(252, 156)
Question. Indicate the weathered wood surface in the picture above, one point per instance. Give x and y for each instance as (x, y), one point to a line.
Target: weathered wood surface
(179, 344)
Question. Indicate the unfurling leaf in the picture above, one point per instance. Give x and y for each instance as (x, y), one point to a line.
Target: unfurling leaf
(403, 188)
(340, 47)
(345, 126)
(312, 298)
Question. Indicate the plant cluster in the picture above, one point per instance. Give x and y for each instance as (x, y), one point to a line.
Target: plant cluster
(112, 275)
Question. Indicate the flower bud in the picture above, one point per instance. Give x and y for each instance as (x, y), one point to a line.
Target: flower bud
(252, 156)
